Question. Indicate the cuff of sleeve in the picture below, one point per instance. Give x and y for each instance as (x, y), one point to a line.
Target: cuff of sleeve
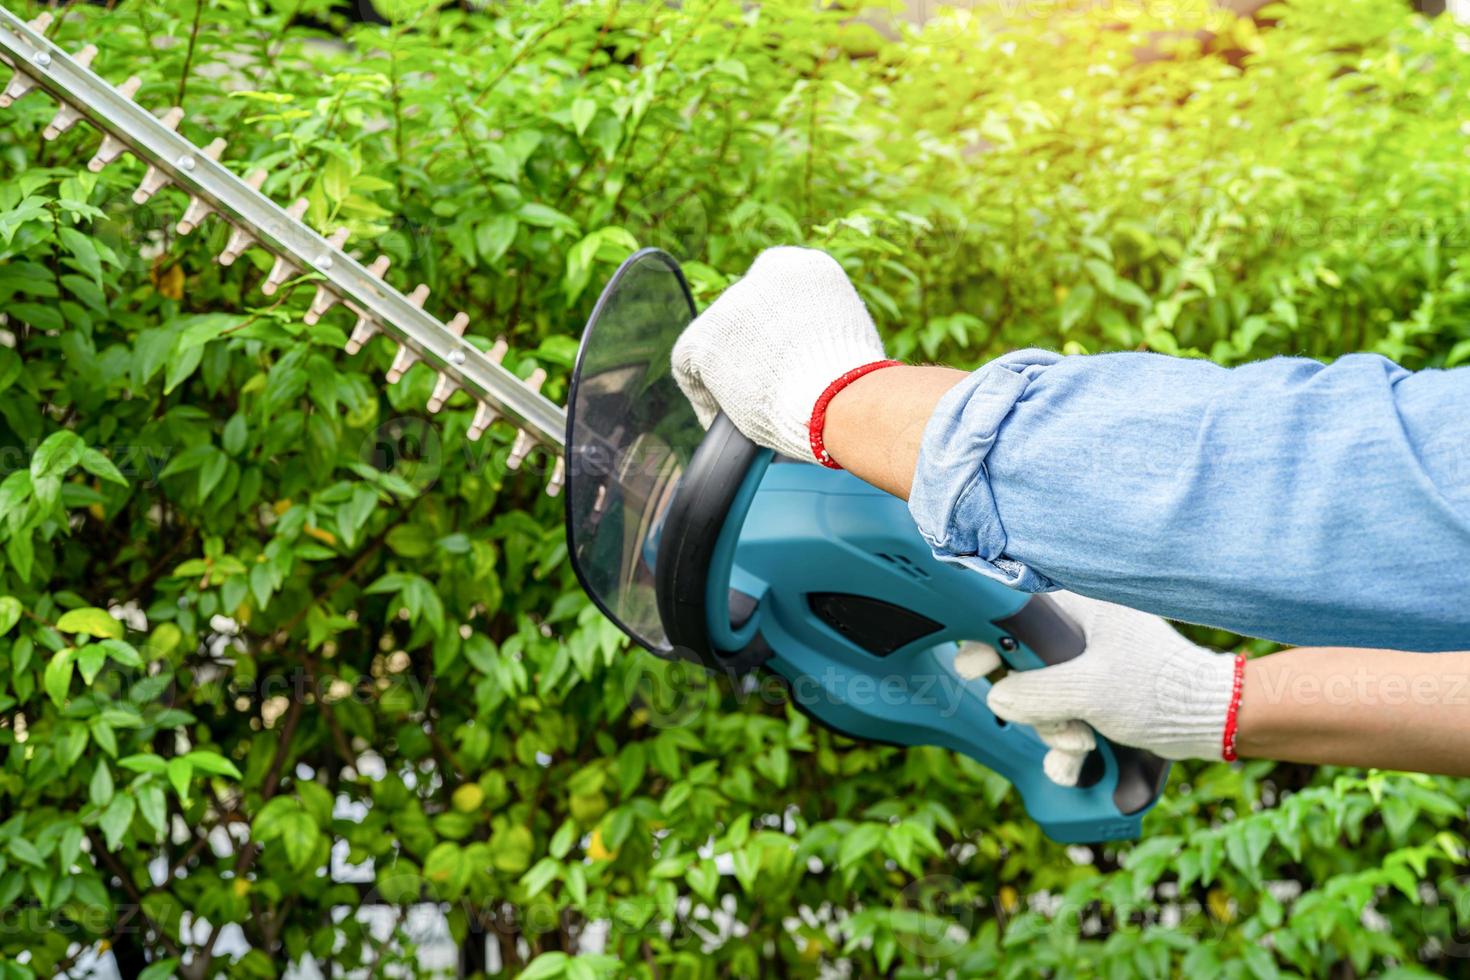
(951, 499)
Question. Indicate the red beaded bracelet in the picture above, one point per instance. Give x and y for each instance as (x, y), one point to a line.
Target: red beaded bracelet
(1232, 714)
(819, 411)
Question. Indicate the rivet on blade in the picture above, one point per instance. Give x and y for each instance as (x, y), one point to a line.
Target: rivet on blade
(198, 209)
(66, 117)
(558, 475)
(445, 385)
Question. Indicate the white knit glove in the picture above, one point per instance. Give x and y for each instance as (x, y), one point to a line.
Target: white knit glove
(1138, 683)
(764, 352)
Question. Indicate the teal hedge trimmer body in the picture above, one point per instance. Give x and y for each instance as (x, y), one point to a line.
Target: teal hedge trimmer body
(703, 547)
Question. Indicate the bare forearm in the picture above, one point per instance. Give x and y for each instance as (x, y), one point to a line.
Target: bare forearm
(1377, 708)
(876, 424)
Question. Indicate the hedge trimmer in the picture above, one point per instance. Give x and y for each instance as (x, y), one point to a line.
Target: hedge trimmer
(697, 544)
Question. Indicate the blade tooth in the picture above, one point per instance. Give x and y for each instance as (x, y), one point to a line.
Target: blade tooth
(362, 332)
(84, 57)
(321, 301)
(129, 88)
(110, 150)
(519, 450)
(406, 356)
(279, 273)
(42, 21)
(497, 352)
(324, 299)
(284, 269)
(240, 240)
(558, 477)
(443, 389)
(256, 180)
(446, 385)
(154, 180)
(66, 117)
(404, 359)
(379, 268)
(524, 440)
(193, 216)
(485, 416)
(172, 118)
(19, 86)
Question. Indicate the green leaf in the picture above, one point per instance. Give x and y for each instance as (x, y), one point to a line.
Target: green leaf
(582, 112)
(10, 612)
(25, 852)
(152, 806)
(543, 874)
(863, 839)
(162, 969)
(494, 236)
(99, 790)
(116, 819)
(553, 964)
(84, 251)
(545, 216)
(213, 763)
(57, 677)
(179, 771)
(101, 467)
(181, 366)
(299, 834)
(144, 762)
(59, 453)
(90, 621)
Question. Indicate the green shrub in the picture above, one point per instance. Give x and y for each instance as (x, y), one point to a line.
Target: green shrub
(251, 594)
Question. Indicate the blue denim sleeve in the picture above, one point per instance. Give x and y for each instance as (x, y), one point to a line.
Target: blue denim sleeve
(1287, 499)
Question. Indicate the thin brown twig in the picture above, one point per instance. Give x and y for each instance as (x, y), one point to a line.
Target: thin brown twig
(189, 54)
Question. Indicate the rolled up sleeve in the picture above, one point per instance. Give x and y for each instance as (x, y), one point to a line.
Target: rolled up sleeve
(1286, 499)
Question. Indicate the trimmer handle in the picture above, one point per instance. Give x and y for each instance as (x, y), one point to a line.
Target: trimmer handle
(1041, 635)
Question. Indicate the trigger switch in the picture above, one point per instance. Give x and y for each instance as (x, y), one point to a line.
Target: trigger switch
(1093, 768)
(741, 607)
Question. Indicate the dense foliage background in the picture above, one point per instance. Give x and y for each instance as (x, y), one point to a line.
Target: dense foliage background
(286, 668)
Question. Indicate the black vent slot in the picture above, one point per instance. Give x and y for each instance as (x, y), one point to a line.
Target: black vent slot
(878, 627)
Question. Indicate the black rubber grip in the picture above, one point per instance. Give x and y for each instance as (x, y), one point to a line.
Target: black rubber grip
(1051, 634)
(1046, 631)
